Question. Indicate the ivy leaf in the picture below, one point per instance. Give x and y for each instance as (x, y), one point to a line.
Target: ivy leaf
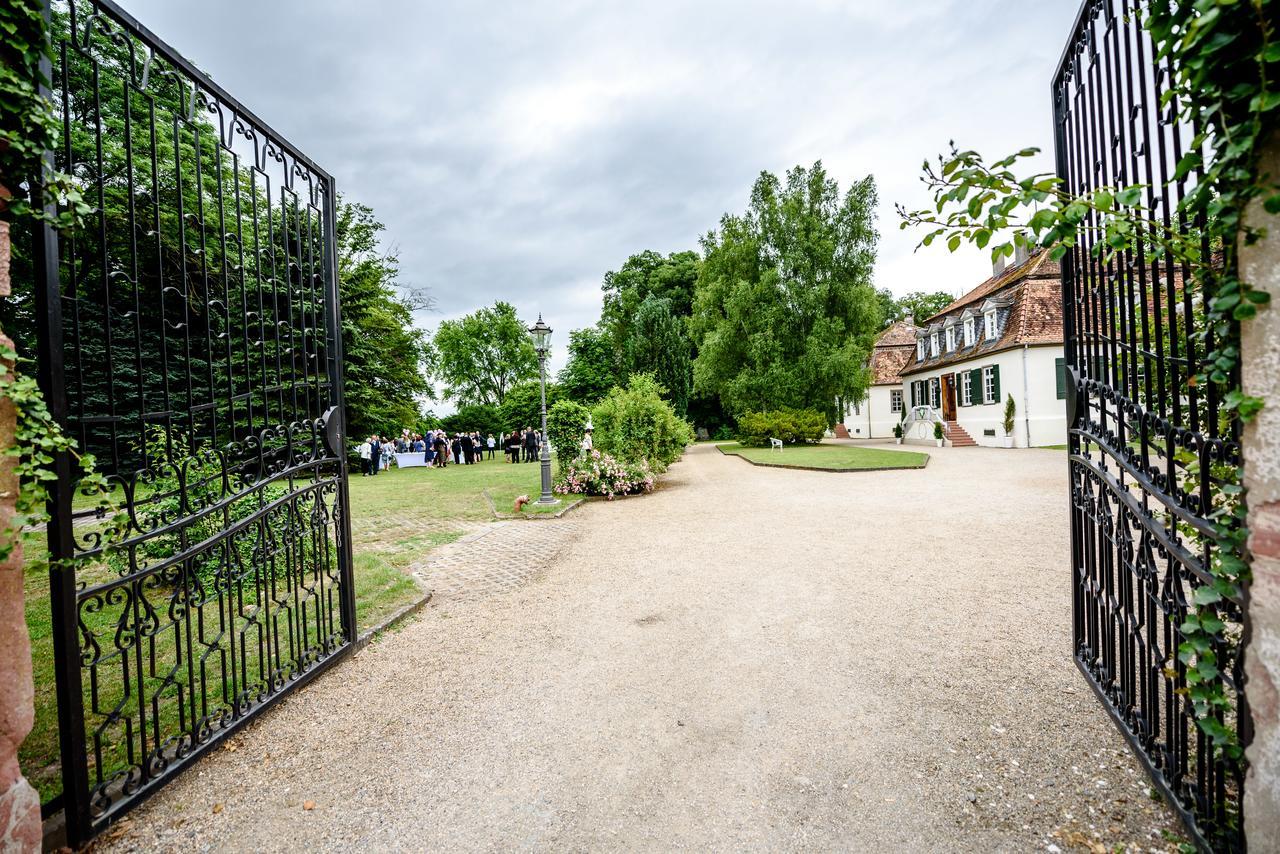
(1130, 196)
(1206, 596)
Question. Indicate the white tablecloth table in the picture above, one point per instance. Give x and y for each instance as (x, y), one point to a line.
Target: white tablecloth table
(411, 459)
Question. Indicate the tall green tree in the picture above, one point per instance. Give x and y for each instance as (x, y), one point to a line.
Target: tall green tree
(673, 277)
(593, 366)
(785, 313)
(523, 405)
(919, 306)
(658, 346)
(479, 357)
(382, 351)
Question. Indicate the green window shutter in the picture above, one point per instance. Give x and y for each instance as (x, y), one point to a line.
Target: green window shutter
(1060, 369)
(979, 391)
(995, 383)
(913, 393)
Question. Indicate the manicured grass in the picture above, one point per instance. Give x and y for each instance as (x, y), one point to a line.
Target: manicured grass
(398, 518)
(829, 457)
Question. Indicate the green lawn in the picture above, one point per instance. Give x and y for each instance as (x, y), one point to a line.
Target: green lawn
(398, 518)
(829, 457)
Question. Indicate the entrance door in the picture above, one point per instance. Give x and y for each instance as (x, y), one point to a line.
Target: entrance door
(949, 397)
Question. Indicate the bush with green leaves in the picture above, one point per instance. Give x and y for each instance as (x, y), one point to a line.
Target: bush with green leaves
(522, 407)
(566, 423)
(484, 418)
(635, 424)
(938, 432)
(790, 425)
(1010, 410)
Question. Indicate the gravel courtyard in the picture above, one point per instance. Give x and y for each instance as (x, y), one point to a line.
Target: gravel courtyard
(749, 658)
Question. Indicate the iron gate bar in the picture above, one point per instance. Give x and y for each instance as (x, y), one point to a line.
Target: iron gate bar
(1141, 532)
(289, 556)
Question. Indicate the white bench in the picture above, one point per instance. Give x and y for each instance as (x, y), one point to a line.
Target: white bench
(775, 444)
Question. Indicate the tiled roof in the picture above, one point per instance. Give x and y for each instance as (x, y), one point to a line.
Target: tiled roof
(902, 332)
(894, 347)
(1038, 265)
(1033, 293)
(887, 364)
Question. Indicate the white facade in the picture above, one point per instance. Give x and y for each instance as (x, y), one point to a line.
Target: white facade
(873, 417)
(1030, 373)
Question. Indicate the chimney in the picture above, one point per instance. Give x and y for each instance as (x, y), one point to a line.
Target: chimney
(1021, 254)
(997, 266)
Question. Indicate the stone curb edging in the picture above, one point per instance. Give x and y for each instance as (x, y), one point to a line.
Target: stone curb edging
(366, 637)
(493, 508)
(725, 453)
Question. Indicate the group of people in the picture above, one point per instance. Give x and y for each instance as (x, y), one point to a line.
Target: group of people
(522, 445)
(439, 448)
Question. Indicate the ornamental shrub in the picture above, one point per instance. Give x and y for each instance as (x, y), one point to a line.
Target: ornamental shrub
(566, 422)
(634, 425)
(601, 474)
(789, 425)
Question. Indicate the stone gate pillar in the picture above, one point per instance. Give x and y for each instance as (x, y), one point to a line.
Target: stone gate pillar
(1260, 266)
(19, 804)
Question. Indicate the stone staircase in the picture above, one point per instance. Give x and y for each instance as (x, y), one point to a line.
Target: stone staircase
(958, 436)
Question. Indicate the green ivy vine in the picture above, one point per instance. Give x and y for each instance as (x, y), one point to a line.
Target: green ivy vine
(1226, 60)
(28, 128)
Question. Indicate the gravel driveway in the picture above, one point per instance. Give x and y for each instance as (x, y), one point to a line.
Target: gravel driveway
(749, 658)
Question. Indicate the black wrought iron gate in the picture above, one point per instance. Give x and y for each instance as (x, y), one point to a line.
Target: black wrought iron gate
(1143, 440)
(189, 341)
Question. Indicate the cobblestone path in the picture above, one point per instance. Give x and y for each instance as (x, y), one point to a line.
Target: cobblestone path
(496, 559)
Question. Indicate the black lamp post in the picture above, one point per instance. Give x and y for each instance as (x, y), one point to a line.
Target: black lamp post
(542, 343)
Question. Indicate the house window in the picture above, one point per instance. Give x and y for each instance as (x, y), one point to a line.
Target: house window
(1060, 370)
(969, 331)
(989, 391)
(951, 338)
(990, 330)
(895, 400)
(966, 388)
(857, 408)
(920, 350)
(933, 343)
(934, 393)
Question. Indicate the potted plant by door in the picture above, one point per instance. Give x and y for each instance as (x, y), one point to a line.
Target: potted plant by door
(1010, 409)
(897, 433)
(938, 432)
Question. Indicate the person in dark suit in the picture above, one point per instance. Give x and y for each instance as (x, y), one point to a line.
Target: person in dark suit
(468, 449)
(456, 448)
(377, 454)
(440, 446)
(530, 445)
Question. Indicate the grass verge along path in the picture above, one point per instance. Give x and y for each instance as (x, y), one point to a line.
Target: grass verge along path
(828, 457)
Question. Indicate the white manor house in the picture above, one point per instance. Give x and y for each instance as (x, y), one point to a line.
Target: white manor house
(1002, 339)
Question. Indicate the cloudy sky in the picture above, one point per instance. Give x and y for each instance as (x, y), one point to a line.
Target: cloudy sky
(518, 151)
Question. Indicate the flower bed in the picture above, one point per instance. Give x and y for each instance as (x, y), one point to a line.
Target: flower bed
(596, 473)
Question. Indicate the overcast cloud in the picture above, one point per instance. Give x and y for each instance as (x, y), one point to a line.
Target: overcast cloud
(517, 151)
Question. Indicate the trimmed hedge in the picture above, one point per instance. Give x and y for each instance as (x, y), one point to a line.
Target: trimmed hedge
(790, 425)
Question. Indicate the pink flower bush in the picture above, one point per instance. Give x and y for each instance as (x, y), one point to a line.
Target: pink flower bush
(600, 474)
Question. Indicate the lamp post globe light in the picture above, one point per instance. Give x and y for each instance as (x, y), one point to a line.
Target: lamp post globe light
(542, 343)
